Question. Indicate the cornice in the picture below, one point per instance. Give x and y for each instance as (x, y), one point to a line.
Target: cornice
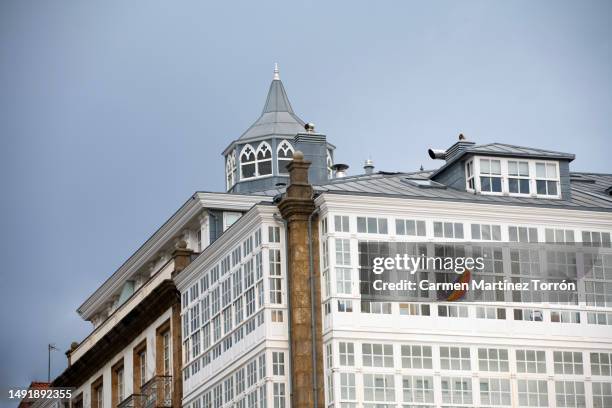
(126, 330)
(173, 226)
(455, 209)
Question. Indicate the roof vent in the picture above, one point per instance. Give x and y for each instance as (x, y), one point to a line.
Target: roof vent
(459, 147)
(340, 169)
(368, 166)
(437, 154)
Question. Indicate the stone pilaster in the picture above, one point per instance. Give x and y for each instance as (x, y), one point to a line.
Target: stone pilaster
(296, 207)
(182, 258)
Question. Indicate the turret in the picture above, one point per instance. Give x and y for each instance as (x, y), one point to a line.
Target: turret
(257, 160)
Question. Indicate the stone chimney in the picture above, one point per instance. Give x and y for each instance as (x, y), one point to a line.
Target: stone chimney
(296, 208)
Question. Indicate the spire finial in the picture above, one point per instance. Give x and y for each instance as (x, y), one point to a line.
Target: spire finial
(276, 75)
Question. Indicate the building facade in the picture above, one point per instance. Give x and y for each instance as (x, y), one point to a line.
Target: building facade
(261, 288)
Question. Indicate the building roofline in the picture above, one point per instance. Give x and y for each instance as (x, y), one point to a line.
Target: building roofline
(177, 220)
(465, 200)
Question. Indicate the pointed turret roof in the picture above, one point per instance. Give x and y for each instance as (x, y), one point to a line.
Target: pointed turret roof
(277, 117)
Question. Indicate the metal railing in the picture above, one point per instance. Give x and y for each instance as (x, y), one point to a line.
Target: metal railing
(133, 401)
(157, 392)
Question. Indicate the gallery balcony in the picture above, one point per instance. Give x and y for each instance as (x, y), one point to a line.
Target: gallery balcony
(157, 392)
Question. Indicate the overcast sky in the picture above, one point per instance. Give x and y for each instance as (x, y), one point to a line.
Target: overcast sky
(113, 113)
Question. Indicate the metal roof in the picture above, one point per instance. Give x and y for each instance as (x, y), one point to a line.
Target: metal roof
(588, 190)
(277, 117)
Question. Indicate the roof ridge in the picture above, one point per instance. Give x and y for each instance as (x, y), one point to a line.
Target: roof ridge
(518, 146)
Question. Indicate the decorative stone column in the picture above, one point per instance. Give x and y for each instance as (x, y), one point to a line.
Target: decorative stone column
(182, 258)
(296, 207)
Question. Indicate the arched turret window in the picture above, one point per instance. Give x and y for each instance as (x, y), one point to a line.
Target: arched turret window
(330, 163)
(230, 170)
(264, 159)
(247, 163)
(285, 155)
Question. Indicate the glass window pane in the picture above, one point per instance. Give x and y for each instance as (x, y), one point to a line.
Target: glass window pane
(265, 168)
(361, 224)
(512, 168)
(410, 230)
(513, 185)
(497, 184)
(485, 183)
(372, 228)
(475, 231)
(484, 166)
(495, 167)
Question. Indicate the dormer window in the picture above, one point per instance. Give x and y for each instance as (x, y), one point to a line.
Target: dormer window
(547, 178)
(518, 177)
(469, 173)
(496, 176)
(285, 155)
(490, 176)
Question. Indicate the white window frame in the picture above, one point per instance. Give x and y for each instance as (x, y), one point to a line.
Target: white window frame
(344, 280)
(341, 223)
(285, 151)
(478, 174)
(252, 153)
(519, 176)
(230, 170)
(418, 390)
(495, 392)
(546, 178)
(535, 390)
(473, 166)
(469, 176)
(347, 354)
(226, 218)
(263, 146)
(378, 355)
(383, 384)
(416, 356)
(458, 390)
(455, 358)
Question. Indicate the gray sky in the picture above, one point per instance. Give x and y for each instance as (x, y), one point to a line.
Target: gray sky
(113, 113)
